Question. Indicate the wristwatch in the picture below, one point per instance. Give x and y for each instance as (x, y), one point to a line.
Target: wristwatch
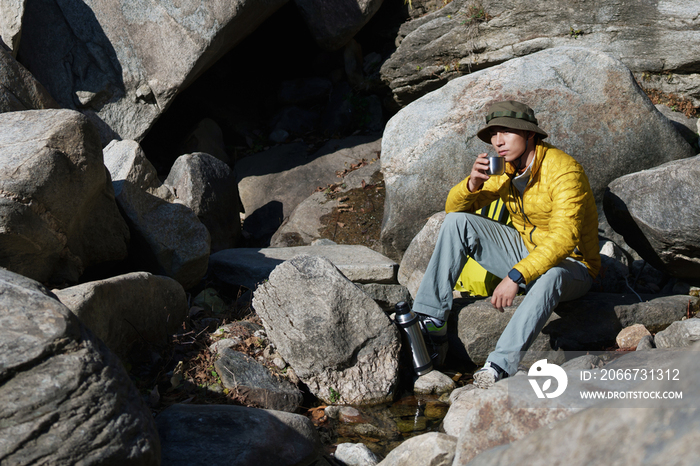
(516, 276)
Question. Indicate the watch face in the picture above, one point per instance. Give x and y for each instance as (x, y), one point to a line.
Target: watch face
(516, 276)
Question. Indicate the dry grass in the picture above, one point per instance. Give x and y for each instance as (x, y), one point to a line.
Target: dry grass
(673, 101)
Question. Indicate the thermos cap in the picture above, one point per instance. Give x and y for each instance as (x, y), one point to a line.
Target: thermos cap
(402, 308)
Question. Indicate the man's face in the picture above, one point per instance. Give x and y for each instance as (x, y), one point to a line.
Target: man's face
(509, 143)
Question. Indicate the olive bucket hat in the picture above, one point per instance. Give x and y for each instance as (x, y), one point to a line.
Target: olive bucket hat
(510, 114)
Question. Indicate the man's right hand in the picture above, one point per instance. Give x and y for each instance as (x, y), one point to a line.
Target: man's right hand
(478, 175)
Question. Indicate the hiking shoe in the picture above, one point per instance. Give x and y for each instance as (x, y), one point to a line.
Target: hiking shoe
(488, 375)
(435, 336)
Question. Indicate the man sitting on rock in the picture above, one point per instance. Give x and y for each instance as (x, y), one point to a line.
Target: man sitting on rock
(551, 251)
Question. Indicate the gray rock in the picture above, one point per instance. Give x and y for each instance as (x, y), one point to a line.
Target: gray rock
(124, 311)
(355, 454)
(254, 383)
(387, 296)
(11, 12)
(207, 185)
(64, 397)
(57, 209)
(218, 346)
(688, 127)
(207, 137)
(250, 266)
(433, 448)
(510, 410)
(465, 36)
(334, 23)
(585, 362)
(679, 334)
(303, 226)
(434, 382)
(646, 343)
(417, 256)
(335, 337)
(434, 138)
(637, 204)
(19, 90)
(616, 431)
(588, 323)
(323, 242)
(121, 64)
(274, 182)
(125, 160)
(236, 435)
(170, 238)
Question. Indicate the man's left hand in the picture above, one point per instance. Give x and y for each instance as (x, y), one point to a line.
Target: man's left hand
(504, 294)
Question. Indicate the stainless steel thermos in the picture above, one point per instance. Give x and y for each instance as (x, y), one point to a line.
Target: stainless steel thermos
(408, 321)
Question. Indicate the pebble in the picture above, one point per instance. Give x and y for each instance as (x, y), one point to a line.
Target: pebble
(434, 382)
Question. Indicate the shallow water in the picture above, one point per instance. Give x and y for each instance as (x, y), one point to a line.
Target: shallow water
(384, 427)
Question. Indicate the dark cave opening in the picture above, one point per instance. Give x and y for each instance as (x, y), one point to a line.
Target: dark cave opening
(240, 92)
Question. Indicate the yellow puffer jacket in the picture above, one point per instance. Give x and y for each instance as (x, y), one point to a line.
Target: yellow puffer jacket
(556, 217)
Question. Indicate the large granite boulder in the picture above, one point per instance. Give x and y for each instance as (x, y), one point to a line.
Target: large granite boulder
(123, 63)
(588, 323)
(208, 186)
(601, 117)
(57, 203)
(335, 337)
(250, 266)
(129, 310)
(167, 238)
(679, 334)
(64, 397)
(415, 260)
(305, 224)
(125, 160)
(274, 182)
(333, 23)
(656, 212)
(18, 88)
(236, 436)
(511, 410)
(646, 429)
(466, 36)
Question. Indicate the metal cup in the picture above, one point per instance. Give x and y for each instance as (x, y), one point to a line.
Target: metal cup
(497, 165)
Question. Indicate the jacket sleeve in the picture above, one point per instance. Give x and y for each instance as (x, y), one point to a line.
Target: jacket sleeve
(460, 199)
(569, 195)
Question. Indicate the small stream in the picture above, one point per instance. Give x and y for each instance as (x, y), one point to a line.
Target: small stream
(384, 427)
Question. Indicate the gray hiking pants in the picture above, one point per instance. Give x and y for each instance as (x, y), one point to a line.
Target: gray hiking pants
(497, 248)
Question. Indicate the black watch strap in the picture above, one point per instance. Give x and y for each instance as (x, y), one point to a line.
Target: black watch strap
(516, 276)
